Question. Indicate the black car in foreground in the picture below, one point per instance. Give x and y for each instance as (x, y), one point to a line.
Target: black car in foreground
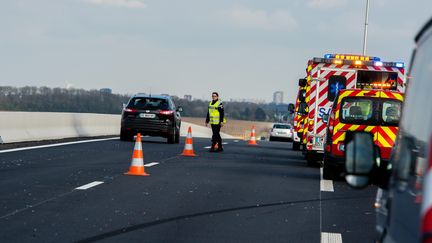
(152, 115)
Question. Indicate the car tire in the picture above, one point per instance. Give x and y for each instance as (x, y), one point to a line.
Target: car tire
(125, 136)
(328, 172)
(177, 136)
(171, 136)
(271, 139)
(296, 146)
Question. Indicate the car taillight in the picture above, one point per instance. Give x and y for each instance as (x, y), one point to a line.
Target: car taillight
(331, 123)
(130, 110)
(166, 112)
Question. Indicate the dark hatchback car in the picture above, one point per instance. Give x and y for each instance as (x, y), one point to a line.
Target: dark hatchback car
(151, 115)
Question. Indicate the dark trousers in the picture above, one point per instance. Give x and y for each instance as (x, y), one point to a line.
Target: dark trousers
(216, 138)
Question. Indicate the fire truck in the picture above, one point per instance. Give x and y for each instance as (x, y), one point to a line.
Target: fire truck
(325, 77)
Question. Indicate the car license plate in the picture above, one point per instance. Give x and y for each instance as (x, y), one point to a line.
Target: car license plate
(144, 115)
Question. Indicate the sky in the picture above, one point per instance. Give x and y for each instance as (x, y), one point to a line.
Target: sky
(240, 48)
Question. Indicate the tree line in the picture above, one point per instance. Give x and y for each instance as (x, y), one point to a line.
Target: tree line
(45, 99)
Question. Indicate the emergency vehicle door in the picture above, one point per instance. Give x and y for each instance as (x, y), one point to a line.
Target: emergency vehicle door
(330, 82)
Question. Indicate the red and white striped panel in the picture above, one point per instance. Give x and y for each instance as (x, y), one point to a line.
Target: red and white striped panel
(399, 71)
(323, 90)
(426, 211)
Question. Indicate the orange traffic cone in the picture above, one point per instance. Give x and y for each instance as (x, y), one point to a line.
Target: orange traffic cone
(252, 140)
(188, 148)
(137, 164)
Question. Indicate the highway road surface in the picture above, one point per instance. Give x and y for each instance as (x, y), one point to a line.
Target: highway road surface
(78, 193)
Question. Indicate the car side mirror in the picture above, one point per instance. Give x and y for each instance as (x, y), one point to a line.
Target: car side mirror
(360, 159)
(291, 108)
(302, 82)
(179, 109)
(325, 118)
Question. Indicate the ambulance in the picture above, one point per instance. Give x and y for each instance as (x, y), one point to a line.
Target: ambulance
(325, 77)
(375, 111)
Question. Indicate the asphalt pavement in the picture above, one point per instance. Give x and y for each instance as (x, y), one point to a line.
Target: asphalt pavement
(244, 194)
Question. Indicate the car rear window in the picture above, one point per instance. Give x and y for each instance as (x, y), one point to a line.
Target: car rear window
(149, 104)
(357, 110)
(282, 126)
(391, 112)
(370, 111)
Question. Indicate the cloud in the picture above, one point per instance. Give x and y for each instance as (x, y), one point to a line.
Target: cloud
(276, 20)
(326, 3)
(119, 3)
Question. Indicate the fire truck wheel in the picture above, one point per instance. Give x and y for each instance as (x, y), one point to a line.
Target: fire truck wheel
(328, 173)
(296, 146)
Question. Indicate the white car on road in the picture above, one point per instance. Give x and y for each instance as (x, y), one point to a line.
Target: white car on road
(281, 131)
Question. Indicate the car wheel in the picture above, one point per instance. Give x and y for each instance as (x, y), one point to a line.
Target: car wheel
(271, 139)
(177, 136)
(171, 136)
(125, 136)
(296, 146)
(328, 172)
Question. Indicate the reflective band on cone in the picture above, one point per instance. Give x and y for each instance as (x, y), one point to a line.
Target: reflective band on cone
(188, 148)
(252, 140)
(137, 163)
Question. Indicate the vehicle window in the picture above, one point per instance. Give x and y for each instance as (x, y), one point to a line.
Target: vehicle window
(282, 126)
(391, 112)
(356, 110)
(365, 79)
(148, 104)
(336, 83)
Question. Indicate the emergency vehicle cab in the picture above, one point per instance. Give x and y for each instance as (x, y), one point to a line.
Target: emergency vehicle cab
(373, 111)
(325, 77)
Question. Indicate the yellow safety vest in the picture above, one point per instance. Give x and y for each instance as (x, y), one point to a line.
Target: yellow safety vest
(214, 113)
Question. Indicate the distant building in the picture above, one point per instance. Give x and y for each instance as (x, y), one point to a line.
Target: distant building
(167, 95)
(188, 97)
(106, 90)
(278, 97)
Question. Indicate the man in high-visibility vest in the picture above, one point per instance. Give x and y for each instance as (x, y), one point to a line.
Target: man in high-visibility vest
(215, 116)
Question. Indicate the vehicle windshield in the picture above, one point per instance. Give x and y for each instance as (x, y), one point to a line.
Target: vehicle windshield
(370, 111)
(282, 126)
(148, 104)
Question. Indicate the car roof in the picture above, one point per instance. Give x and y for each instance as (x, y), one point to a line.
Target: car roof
(151, 96)
(423, 30)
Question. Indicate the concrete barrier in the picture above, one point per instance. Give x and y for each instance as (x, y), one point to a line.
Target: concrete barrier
(34, 126)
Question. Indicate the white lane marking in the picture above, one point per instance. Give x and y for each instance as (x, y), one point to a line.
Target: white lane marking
(224, 143)
(151, 164)
(90, 185)
(331, 237)
(325, 185)
(236, 141)
(55, 145)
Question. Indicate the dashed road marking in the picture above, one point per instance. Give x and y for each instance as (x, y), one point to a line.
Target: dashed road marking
(236, 141)
(55, 145)
(331, 237)
(90, 185)
(207, 147)
(151, 164)
(325, 185)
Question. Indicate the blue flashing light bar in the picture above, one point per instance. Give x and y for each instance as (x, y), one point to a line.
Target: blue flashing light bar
(399, 65)
(378, 63)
